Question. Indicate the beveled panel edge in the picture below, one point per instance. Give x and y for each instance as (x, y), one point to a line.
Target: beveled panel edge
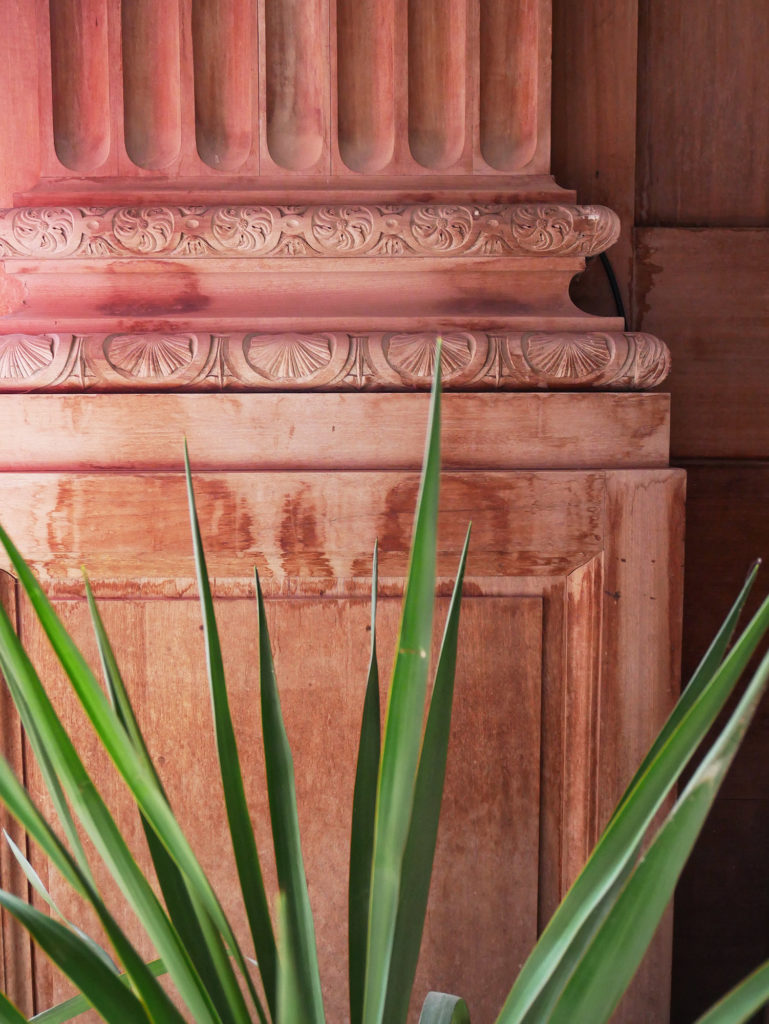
(331, 230)
(331, 361)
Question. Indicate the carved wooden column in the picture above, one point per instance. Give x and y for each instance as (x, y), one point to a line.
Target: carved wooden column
(208, 204)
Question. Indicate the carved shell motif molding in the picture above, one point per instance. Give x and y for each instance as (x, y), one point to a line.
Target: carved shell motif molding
(409, 230)
(331, 361)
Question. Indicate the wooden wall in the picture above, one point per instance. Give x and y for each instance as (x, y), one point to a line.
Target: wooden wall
(661, 111)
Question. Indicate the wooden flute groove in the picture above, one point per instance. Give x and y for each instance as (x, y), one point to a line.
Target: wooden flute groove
(508, 82)
(151, 82)
(224, 56)
(80, 80)
(365, 83)
(437, 77)
(296, 64)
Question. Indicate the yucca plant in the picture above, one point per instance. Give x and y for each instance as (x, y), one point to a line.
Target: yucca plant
(577, 971)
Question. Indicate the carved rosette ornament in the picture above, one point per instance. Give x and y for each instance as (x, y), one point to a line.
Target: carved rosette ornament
(287, 232)
(332, 361)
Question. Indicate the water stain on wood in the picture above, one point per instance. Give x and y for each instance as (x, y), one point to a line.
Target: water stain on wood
(302, 550)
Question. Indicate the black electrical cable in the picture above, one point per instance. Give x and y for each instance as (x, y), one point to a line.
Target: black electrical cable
(606, 264)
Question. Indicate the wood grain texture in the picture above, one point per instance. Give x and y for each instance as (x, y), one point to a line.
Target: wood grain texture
(541, 534)
(223, 34)
(20, 151)
(707, 293)
(145, 432)
(594, 122)
(722, 901)
(80, 67)
(305, 524)
(585, 596)
(365, 81)
(641, 670)
(703, 114)
(151, 79)
(15, 946)
(492, 789)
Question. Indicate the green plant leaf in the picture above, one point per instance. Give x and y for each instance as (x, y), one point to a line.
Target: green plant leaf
(18, 802)
(612, 958)
(363, 820)
(91, 809)
(73, 1007)
(741, 1002)
(36, 883)
(238, 816)
(73, 957)
(143, 787)
(202, 941)
(50, 779)
(10, 1014)
(440, 1008)
(281, 790)
(292, 1008)
(403, 725)
(699, 680)
(618, 844)
(423, 831)
(550, 993)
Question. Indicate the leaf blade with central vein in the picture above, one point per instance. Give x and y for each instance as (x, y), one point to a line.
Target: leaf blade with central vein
(238, 817)
(21, 807)
(363, 820)
(95, 816)
(609, 963)
(423, 831)
(141, 783)
(203, 943)
(90, 974)
(617, 845)
(281, 792)
(403, 724)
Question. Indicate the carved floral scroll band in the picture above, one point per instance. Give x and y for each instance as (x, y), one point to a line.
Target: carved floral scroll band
(331, 361)
(404, 230)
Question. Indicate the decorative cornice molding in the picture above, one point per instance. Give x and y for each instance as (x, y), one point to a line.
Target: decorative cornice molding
(331, 361)
(402, 230)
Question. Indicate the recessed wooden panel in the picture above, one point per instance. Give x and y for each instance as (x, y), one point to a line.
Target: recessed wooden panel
(703, 115)
(706, 293)
(490, 823)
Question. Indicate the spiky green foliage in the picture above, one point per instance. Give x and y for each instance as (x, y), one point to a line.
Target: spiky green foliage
(577, 971)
